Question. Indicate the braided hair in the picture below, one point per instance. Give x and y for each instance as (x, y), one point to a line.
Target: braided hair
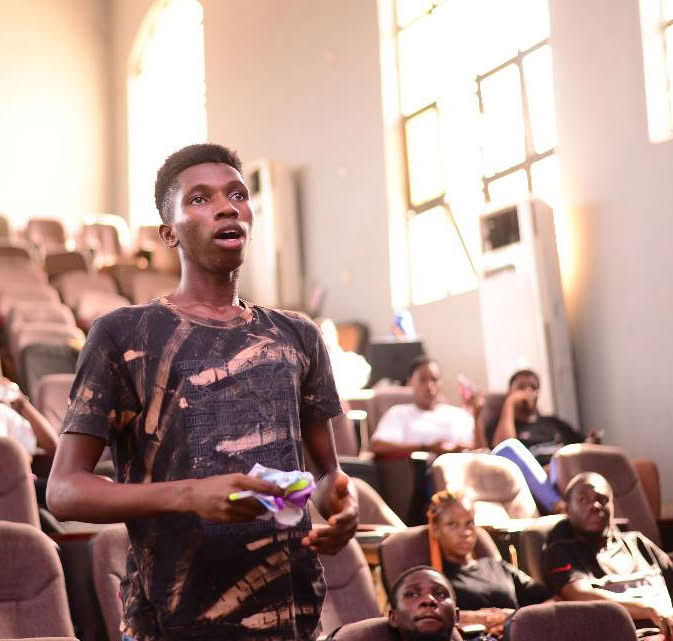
(438, 503)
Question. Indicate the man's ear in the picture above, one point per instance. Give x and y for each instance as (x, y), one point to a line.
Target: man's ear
(392, 618)
(167, 234)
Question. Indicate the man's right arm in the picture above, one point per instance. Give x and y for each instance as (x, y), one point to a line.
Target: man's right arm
(74, 492)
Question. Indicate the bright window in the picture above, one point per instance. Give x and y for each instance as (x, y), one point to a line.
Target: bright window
(167, 97)
(656, 21)
(477, 126)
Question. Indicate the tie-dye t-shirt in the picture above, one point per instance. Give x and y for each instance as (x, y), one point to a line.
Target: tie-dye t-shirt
(179, 396)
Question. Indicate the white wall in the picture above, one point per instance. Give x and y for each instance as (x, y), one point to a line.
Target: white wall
(619, 191)
(54, 101)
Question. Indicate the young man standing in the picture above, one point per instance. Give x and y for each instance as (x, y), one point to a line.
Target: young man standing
(191, 391)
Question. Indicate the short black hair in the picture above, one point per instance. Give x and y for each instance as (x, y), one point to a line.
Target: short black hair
(418, 361)
(416, 568)
(524, 372)
(581, 479)
(166, 185)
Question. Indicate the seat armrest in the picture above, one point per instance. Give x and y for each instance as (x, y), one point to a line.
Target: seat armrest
(361, 468)
(666, 533)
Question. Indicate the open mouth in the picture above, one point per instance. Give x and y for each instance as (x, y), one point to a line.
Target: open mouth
(230, 237)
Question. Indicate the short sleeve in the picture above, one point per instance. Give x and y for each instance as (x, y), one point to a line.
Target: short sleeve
(528, 591)
(390, 427)
(561, 566)
(102, 400)
(319, 398)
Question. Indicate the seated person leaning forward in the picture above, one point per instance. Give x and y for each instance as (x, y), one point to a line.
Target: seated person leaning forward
(487, 590)
(422, 606)
(587, 558)
(528, 439)
(426, 424)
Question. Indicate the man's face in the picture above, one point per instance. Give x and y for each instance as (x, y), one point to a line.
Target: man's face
(425, 382)
(456, 531)
(530, 387)
(590, 506)
(425, 610)
(212, 218)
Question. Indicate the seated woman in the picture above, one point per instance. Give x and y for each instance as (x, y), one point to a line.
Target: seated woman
(487, 590)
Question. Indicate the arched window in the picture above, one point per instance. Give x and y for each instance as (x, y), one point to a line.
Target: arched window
(167, 97)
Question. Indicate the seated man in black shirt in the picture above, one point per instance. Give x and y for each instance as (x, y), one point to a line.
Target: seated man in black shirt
(528, 439)
(587, 558)
(422, 606)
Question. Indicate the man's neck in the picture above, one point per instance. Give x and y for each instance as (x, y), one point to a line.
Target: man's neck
(212, 294)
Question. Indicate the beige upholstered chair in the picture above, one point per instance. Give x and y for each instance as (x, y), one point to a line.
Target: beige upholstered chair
(495, 484)
(33, 600)
(71, 285)
(571, 621)
(17, 490)
(373, 509)
(108, 565)
(403, 550)
(612, 462)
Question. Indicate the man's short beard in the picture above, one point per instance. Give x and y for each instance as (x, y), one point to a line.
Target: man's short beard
(417, 635)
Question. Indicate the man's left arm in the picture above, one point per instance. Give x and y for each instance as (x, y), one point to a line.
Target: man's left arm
(335, 495)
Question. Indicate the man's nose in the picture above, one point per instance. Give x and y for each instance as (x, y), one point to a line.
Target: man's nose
(429, 599)
(224, 207)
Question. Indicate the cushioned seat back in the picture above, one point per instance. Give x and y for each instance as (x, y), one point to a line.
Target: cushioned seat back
(351, 595)
(496, 485)
(18, 502)
(374, 630)
(52, 397)
(384, 398)
(148, 285)
(33, 600)
(373, 509)
(73, 284)
(405, 549)
(579, 621)
(38, 360)
(345, 440)
(61, 262)
(108, 565)
(612, 463)
(46, 233)
(489, 412)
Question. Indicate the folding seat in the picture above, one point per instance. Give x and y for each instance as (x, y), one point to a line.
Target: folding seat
(25, 314)
(39, 359)
(17, 490)
(46, 334)
(47, 234)
(373, 509)
(92, 304)
(150, 284)
(56, 263)
(103, 240)
(14, 253)
(375, 629)
(629, 496)
(33, 601)
(407, 548)
(71, 285)
(19, 293)
(496, 485)
(51, 397)
(571, 621)
(108, 566)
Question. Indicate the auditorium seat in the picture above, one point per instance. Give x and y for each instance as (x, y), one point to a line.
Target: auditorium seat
(71, 285)
(14, 254)
(496, 485)
(18, 502)
(47, 234)
(571, 621)
(33, 600)
(150, 284)
(39, 359)
(374, 629)
(610, 461)
(51, 397)
(351, 594)
(405, 549)
(93, 304)
(108, 566)
(103, 241)
(373, 509)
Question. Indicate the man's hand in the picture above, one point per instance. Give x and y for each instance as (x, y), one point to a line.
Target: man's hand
(519, 397)
(336, 500)
(663, 620)
(209, 497)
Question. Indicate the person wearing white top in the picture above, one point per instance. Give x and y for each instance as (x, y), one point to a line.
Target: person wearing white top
(426, 424)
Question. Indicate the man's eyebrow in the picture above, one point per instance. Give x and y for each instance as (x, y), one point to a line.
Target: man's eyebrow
(210, 188)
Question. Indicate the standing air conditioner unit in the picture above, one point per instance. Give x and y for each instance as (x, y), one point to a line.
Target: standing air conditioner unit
(522, 309)
(272, 273)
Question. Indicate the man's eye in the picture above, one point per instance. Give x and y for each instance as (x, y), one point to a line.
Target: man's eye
(441, 594)
(410, 593)
(197, 200)
(239, 195)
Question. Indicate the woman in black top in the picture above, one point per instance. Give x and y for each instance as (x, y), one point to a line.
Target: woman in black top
(487, 590)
